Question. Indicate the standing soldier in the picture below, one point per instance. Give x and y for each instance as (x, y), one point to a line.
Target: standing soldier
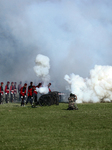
(49, 87)
(23, 94)
(19, 87)
(39, 85)
(72, 102)
(30, 93)
(12, 92)
(7, 92)
(1, 93)
(15, 92)
(34, 96)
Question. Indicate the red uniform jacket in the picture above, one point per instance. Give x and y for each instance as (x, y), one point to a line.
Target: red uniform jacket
(1, 90)
(30, 91)
(49, 89)
(12, 89)
(23, 91)
(34, 90)
(6, 89)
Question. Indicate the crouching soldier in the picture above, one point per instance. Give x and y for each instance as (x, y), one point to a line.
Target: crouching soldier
(1, 93)
(72, 102)
(23, 94)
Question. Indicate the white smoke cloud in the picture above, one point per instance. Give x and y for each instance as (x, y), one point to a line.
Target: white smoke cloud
(42, 71)
(94, 89)
(42, 90)
(42, 68)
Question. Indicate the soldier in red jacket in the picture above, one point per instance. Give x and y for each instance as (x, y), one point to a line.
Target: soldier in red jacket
(15, 91)
(1, 93)
(7, 92)
(12, 92)
(19, 87)
(39, 85)
(30, 93)
(49, 87)
(23, 94)
(34, 96)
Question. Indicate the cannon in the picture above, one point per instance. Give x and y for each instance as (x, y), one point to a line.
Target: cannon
(49, 99)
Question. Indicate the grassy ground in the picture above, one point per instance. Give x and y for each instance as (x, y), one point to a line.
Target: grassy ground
(55, 128)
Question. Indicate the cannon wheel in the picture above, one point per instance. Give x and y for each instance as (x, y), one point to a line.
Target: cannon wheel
(45, 100)
(55, 97)
(49, 100)
(41, 101)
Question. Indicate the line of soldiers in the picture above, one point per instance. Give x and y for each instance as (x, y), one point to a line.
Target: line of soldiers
(9, 91)
(25, 94)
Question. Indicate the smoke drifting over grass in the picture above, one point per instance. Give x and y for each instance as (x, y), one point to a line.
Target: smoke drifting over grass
(75, 35)
(97, 88)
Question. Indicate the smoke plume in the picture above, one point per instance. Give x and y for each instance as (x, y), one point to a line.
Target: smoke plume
(97, 88)
(43, 90)
(42, 68)
(42, 71)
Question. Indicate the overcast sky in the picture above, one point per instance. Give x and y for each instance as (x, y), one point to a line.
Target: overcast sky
(76, 35)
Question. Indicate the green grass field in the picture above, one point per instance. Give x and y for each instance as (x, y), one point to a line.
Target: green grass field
(55, 128)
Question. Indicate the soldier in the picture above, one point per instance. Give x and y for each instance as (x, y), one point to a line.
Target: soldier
(30, 93)
(49, 87)
(15, 91)
(23, 94)
(19, 87)
(7, 92)
(12, 92)
(72, 102)
(1, 93)
(34, 96)
(39, 85)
